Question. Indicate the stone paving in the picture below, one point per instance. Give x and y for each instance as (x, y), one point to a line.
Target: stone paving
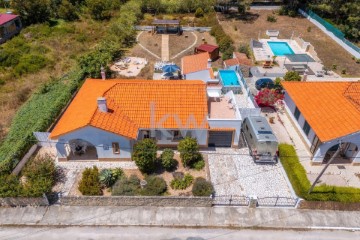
(233, 172)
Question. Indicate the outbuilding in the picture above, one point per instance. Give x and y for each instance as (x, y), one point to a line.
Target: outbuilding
(10, 25)
(211, 49)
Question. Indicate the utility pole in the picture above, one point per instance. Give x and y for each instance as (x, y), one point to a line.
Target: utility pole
(326, 166)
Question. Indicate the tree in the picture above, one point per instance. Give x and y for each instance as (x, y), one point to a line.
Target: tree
(167, 159)
(67, 11)
(100, 9)
(199, 13)
(144, 155)
(292, 76)
(189, 151)
(33, 11)
(268, 97)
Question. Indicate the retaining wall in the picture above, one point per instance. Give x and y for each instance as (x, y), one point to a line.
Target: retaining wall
(137, 201)
(23, 201)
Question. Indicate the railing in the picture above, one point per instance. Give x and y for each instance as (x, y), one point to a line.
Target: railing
(230, 200)
(277, 202)
(187, 29)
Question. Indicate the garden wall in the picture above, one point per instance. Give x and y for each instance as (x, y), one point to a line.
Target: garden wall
(137, 201)
(329, 205)
(23, 201)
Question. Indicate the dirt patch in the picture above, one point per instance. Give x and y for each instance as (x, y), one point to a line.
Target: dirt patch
(243, 28)
(329, 206)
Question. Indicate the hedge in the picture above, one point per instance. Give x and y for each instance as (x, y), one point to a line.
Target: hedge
(301, 184)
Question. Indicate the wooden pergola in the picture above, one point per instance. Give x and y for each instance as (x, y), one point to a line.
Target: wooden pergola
(161, 26)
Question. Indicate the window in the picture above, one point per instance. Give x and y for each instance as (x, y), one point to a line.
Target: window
(116, 148)
(315, 144)
(177, 135)
(297, 113)
(146, 134)
(306, 128)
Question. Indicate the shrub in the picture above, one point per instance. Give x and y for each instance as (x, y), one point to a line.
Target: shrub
(89, 183)
(271, 18)
(334, 67)
(108, 177)
(268, 97)
(155, 186)
(292, 13)
(343, 71)
(199, 13)
(278, 86)
(144, 155)
(99, 9)
(67, 11)
(199, 165)
(30, 63)
(292, 76)
(189, 151)
(202, 187)
(182, 183)
(244, 48)
(308, 29)
(126, 186)
(167, 159)
(10, 186)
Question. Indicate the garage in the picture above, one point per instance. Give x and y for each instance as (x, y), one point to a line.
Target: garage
(220, 138)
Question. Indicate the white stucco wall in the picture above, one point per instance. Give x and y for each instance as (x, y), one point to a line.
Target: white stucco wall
(200, 75)
(164, 136)
(101, 139)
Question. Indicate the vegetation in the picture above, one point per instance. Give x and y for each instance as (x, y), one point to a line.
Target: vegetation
(224, 41)
(38, 177)
(167, 159)
(89, 183)
(202, 187)
(177, 6)
(182, 183)
(108, 177)
(245, 48)
(126, 186)
(144, 155)
(292, 76)
(156, 186)
(271, 18)
(268, 97)
(298, 178)
(189, 151)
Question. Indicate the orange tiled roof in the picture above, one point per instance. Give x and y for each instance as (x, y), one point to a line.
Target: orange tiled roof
(129, 103)
(231, 62)
(194, 63)
(243, 59)
(325, 106)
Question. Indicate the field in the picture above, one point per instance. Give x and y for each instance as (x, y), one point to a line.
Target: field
(59, 44)
(254, 24)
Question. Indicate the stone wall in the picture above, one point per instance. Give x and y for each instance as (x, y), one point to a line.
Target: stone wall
(23, 201)
(137, 201)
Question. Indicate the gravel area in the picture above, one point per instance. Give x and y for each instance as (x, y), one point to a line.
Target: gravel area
(233, 172)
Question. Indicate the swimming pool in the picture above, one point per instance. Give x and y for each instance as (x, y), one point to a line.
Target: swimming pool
(280, 48)
(229, 78)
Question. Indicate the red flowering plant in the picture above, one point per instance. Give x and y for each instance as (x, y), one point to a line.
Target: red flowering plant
(268, 97)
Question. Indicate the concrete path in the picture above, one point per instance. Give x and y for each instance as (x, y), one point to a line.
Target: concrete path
(240, 217)
(140, 233)
(165, 53)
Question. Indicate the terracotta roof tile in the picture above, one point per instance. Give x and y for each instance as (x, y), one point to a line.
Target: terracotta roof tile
(207, 47)
(326, 107)
(243, 59)
(130, 103)
(195, 63)
(231, 62)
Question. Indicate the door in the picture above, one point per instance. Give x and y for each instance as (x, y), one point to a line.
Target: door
(220, 138)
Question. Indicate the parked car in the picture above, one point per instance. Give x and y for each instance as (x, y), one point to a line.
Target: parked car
(262, 143)
(264, 83)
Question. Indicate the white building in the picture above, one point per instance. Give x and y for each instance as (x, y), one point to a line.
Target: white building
(326, 114)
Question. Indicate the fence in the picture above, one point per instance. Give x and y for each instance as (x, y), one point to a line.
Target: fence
(277, 202)
(337, 35)
(230, 200)
(186, 29)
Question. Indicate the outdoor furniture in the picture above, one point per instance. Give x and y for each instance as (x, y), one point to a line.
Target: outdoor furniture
(319, 73)
(267, 64)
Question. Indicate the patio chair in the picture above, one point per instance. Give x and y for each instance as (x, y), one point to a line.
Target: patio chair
(267, 64)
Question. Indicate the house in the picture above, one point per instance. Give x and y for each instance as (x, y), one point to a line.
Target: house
(212, 50)
(326, 114)
(239, 62)
(197, 67)
(107, 117)
(10, 25)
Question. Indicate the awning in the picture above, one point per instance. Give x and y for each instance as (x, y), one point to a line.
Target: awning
(215, 93)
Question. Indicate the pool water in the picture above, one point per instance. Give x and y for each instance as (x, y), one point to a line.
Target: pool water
(280, 48)
(229, 78)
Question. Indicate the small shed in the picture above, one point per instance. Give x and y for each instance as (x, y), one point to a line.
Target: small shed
(211, 49)
(10, 25)
(161, 26)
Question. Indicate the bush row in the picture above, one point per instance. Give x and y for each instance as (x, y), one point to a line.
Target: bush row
(301, 184)
(223, 40)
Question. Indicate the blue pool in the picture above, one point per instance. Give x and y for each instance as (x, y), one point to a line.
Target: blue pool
(280, 48)
(229, 78)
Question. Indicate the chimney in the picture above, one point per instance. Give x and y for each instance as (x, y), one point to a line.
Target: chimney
(305, 75)
(101, 102)
(102, 71)
(209, 63)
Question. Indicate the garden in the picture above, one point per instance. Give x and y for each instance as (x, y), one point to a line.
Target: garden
(160, 173)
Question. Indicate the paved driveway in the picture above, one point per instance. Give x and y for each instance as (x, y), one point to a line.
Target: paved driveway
(233, 172)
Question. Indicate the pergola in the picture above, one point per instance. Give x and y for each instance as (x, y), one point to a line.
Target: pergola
(166, 26)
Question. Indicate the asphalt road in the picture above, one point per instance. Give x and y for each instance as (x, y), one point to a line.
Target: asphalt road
(134, 233)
